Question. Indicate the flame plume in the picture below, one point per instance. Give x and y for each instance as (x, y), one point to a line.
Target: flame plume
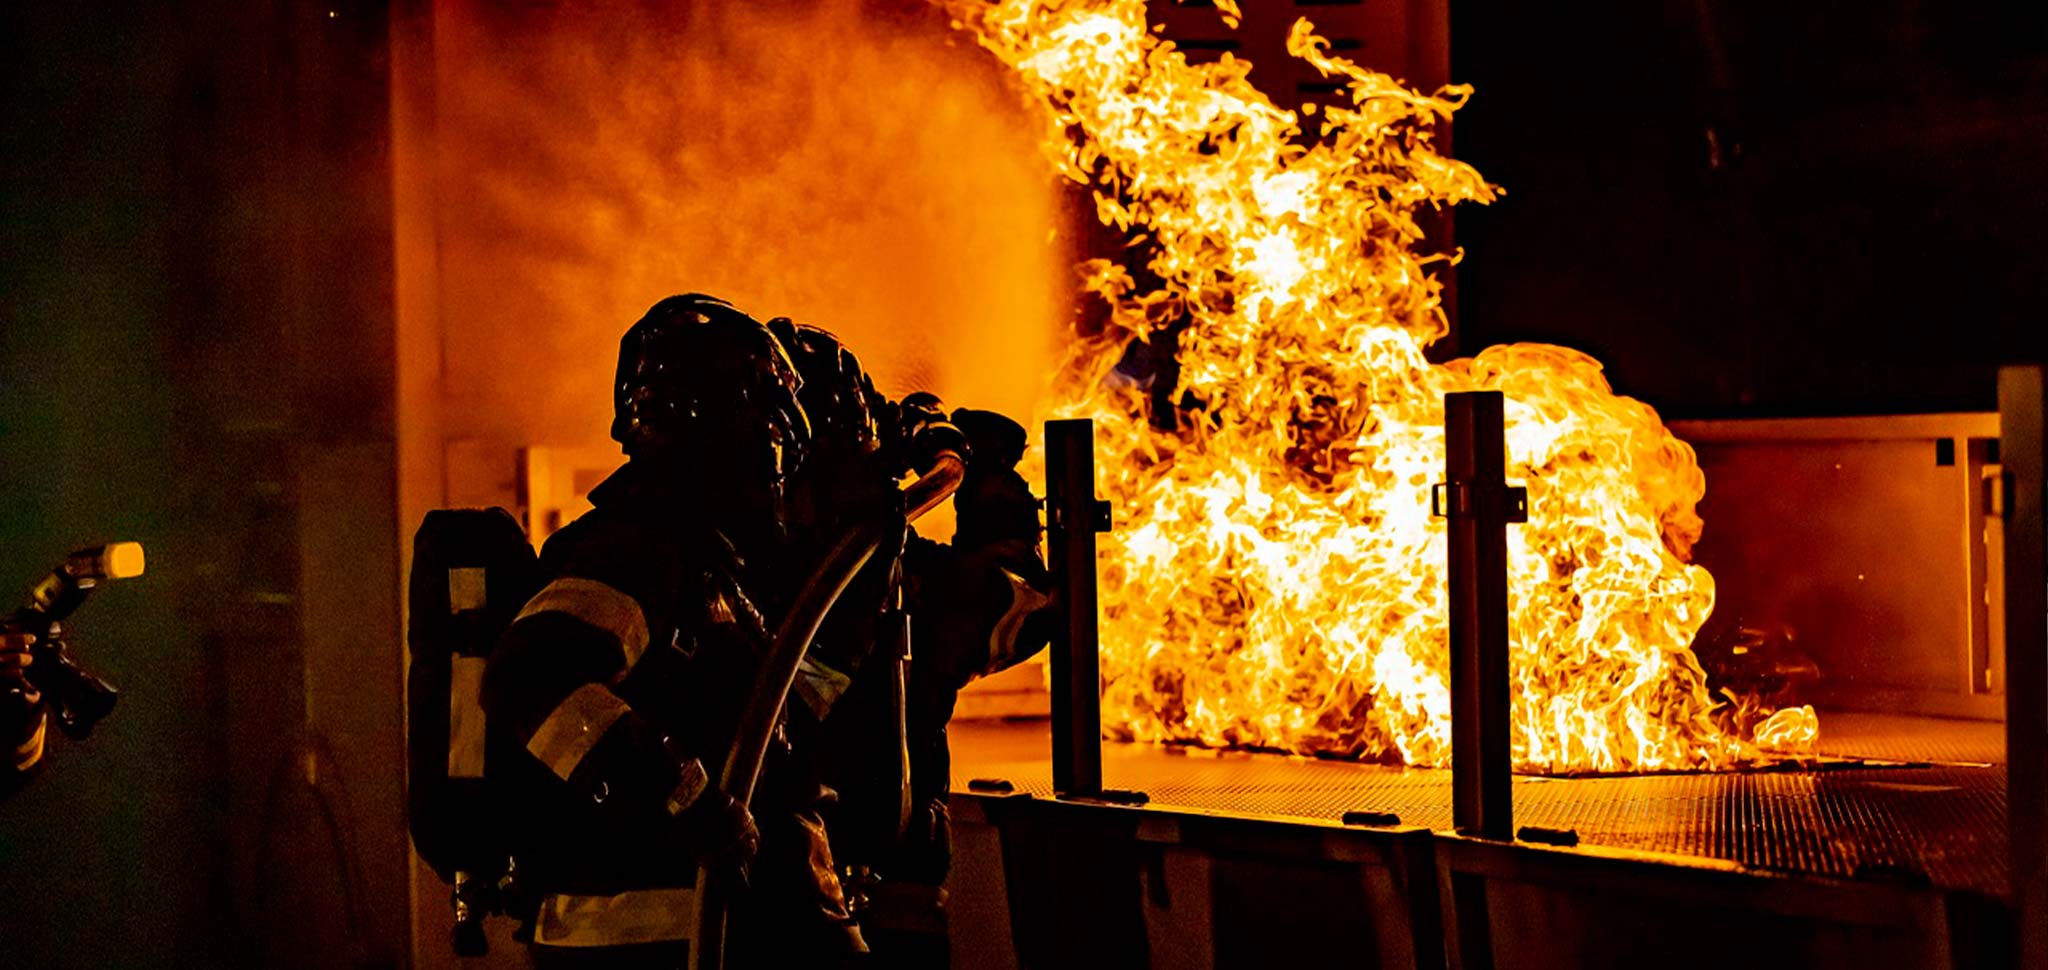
(1276, 579)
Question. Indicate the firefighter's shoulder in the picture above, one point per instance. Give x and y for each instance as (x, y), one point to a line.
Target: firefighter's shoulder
(603, 548)
(603, 543)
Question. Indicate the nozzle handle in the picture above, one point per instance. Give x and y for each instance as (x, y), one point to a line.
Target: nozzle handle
(78, 699)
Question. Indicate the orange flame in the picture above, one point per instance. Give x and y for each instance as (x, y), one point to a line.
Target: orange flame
(1276, 579)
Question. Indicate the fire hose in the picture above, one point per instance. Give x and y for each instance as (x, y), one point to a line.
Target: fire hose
(786, 649)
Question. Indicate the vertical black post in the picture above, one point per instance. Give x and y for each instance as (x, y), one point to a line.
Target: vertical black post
(1478, 505)
(1072, 518)
(2021, 446)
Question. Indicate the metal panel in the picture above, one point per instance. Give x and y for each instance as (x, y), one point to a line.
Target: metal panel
(1901, 427)
(2021, 406)
(1477, 503)
(1866, 540)
(1181, 909)
(1072, 515)
(977, 904)
(1515, 906)
(1096, 885)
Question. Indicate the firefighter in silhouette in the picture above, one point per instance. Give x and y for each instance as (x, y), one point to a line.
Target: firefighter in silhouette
(40, 685)
(23, 734)
(977, 605)
(623, 677)
(981, 604)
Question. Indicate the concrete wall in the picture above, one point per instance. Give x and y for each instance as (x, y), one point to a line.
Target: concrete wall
(121, 837)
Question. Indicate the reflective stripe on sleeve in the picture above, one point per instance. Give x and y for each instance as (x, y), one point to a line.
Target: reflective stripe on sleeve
(1024, 601)
(598, 605)
(639, 916)
(820, 686)
(574, 728)
(31, 750)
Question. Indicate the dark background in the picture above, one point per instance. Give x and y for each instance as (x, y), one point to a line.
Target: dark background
(196, 351)
(1761, 207)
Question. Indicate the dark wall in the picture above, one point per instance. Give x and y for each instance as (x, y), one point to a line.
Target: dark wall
(1750, 206)
(111, 855)
(195, 352)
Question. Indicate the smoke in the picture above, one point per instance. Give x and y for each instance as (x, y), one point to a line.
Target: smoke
(848, 164)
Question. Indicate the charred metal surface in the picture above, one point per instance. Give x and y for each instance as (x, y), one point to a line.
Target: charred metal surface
(1073, 516)
(2023, 439)
(1943, 822)
(1478, 505)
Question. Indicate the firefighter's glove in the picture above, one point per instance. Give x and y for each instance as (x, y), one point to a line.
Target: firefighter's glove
(14, 661)
(722, 836)
(994, 503)
(925, 432)
(998, 442)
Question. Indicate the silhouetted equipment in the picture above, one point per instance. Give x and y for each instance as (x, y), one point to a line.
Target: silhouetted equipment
(472, 570)
(1478, 505)
(807, 612)
(77, 699)
(1073, 516)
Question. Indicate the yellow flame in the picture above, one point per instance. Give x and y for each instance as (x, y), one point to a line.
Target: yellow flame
(1276, 579)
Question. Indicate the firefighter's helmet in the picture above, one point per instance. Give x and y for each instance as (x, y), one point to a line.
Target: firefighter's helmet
(701, 381)
(838, 395)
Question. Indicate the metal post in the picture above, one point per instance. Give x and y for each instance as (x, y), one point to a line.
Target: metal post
(2021, 445)
(1478, 504)
(1073, 516)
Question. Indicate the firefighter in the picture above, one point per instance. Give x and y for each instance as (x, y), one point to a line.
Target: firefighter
(622, 678)
(978, 605)
(39, 683)
(981, 604)
(23, 725)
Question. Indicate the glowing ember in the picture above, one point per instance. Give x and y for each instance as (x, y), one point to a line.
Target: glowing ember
(1276, 579)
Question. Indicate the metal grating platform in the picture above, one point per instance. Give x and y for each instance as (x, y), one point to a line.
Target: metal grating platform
(1939, 817)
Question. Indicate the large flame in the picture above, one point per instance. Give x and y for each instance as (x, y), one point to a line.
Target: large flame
(1276, 579)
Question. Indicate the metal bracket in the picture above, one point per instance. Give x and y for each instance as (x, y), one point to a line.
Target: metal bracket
(1998, 492)
(1514, 501)
(1099, 513)
(1548, 836)
(1371, 819)
(1113, 796)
